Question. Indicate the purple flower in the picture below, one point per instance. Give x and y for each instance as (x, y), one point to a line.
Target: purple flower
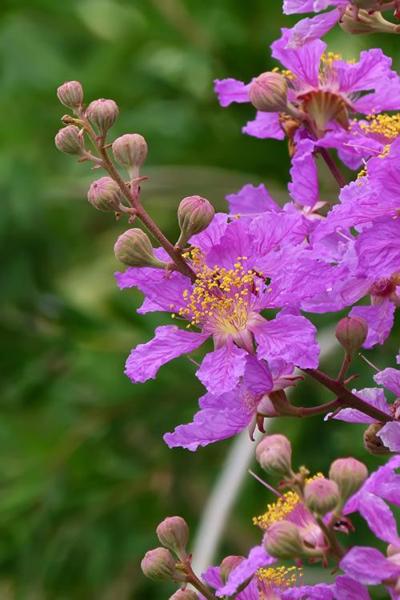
(369, 566)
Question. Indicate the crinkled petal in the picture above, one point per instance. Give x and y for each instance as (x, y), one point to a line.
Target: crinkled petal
(257, 376)
(251, 199)
(168, 343)
(384, 482)
(319, 591)
(390, 435)
(266, 125)
(297, 6)
(390, 379)
(313, 28)
(304, 187)
(350, 589)
(379, 517)
(386, 97)
(372, 396)
(220, 370)
(212, 577)
(368, 565)
(235, 242)
(303, 62)
(288, 337)
(378, 248)
(257, 558)
(380, 319)
(231, 90)
(205, 240)
(365, 74)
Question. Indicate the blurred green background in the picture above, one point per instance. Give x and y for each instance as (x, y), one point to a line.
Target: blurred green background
(84, 474)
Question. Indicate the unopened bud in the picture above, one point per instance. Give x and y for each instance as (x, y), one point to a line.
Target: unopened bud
(102, 113)
(274, 454)
(130, 151)
(392, 550)
(283, 540)
(228, 565)
(173, 533)
(351, 333)
(133, 248)
(194, 215)
(70, 94)
(366, 22)
(69, 140)
(321, 495)
(105, 194)
(349, 474)
(373, 444)
(158, 564)
(268, 92)
(184, 595)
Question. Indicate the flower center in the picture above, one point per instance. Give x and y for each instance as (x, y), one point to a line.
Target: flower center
(386, 286)
(277, 577)
(221, 299)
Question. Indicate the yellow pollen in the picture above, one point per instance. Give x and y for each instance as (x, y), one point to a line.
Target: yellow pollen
(285, 72)
(328, 58)
(386, 125)
(282, 577)
(219, 294)
(318, 475)
(277, 511)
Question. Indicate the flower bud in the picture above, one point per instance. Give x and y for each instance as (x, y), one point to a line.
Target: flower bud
(133, 248)
(366, 22)
(228, 565)
(321, 495)
(268, 92)
(105, 194)
(69, 140)
(392, 550)
(173, 533)
(184, 595)
(351, 333)
(102, 113)
(194, 215)
(130, 151)
(274, 454)
(349, 474)
(372, 443)
(283, 540)
(70, 94)
(158, 564)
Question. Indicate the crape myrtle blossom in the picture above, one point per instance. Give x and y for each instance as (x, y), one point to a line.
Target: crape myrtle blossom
(232, 261)
(323, 88)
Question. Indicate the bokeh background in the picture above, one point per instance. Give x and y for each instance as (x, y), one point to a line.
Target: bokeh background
(84, 474)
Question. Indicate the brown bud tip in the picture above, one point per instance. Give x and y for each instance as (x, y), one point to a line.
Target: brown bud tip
(69, 140)
(102, 113)
(194, 215)
(283, 540)
(133, 248)
(158, 564)
(268, 92)
(184, 595)
(321, 495)
(105, 194)
(351, 333)
(228, 565)
(173, 533)
(349, 474)
(373, 444)
(363, 21)
(130, 151)
(70, 94)
(274, 454)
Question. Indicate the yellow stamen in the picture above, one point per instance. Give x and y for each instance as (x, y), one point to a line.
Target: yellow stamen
(281, 577)
(277, 511)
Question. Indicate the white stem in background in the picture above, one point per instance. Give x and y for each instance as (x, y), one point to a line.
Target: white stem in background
(228, 485)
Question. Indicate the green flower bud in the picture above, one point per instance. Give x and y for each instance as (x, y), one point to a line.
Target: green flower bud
(366, 22)
(69, 140)
(130, 151)
(268, 92)
(282, 540)
(372, 443)
(133, 248)
(173, 533)
(228, 565)
(194, 215)
(184, 595)
(105, 194)
(351, 333)
(70, 94)
(102, 113)
(349, 474)
(274, 454)
(158, 564)
(321, 495)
